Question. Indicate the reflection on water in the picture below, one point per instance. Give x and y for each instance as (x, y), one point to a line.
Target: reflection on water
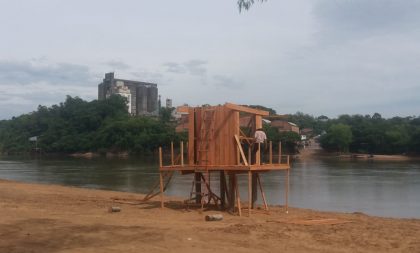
(376, 188)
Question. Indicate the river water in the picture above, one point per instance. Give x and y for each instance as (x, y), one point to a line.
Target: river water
(389, 189)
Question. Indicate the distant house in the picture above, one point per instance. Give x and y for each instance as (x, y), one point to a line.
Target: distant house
(285, 126)
(182, 124)
(244, 121)
(307, 131)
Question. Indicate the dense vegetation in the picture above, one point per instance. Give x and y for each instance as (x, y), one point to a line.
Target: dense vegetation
(289, 140)
(375, 135)
(80, 126)
(364, 133)
(101, 126)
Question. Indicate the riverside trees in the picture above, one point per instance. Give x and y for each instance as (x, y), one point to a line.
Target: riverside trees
(80, 126)
(374, 134)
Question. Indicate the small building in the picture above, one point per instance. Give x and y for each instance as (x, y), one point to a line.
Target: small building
(307, 131)
(182, 123)
(168, 103)
(285, 126)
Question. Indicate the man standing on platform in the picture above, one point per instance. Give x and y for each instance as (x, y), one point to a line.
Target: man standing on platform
(260, 138)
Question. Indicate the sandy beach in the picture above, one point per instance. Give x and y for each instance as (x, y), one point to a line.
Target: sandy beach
(51, 218)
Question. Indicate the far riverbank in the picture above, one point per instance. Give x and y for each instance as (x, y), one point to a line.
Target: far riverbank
(313, 151)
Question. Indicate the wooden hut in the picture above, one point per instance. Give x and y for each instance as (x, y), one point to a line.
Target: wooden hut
(217, 144)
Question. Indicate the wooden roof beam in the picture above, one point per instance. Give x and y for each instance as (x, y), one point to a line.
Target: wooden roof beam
(246, 109)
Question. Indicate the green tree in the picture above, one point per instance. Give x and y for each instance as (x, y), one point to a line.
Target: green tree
(338, 138)
(271, 111)
(288, 139)
(165, 114)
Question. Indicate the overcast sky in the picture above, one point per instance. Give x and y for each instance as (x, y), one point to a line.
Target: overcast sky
(325, 57)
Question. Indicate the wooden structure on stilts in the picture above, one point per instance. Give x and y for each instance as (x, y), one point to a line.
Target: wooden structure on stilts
(216, 144)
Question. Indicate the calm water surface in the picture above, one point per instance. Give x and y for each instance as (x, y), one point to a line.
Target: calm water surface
(378, 188)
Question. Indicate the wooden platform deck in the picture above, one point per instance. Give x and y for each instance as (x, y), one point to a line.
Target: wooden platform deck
(226, 168)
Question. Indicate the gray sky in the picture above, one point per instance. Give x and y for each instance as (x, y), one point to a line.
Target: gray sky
(315, 56)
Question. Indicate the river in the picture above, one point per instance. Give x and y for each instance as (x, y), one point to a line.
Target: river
(388, 189)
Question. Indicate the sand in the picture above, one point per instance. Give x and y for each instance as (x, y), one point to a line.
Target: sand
(51, 218)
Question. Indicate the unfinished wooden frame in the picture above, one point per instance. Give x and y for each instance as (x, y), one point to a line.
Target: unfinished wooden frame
(217, 144)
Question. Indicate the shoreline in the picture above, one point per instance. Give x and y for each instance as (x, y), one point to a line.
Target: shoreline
(54, 218)
(314, 151)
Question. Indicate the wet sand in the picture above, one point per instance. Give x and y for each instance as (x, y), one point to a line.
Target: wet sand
(51, 218)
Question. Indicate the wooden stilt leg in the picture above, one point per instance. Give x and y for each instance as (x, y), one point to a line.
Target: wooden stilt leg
(279, 151)
(197, 182)
(249, 192)
(262, 192)
(287, 191)
(172, 153)
(222, 179)
(258, 155)
(232, 193)
(161, 177)
(238, 198)
(161, 189)
(249, 155)
(227, 190)
(254, 190)
(182, 153)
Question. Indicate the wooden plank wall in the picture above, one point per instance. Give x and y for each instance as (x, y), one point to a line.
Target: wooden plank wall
(222, 147)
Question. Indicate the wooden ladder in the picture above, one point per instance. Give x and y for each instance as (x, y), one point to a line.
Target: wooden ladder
(206, 136)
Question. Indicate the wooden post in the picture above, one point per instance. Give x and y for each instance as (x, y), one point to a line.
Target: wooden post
(161, 189)
(232, 192)
(254, 180)
(271, 152)
(197, 182)
(288, 160)
(182, 153)
(191, 135)
(258, 155)
(241, 151)
(172, 153)
(254, 189)
(279, 152)
(222, 178)
(161, 177)
(249, 155)
(287, 190)
(262, 193)
(238, 197)
(238, 156)
(249, 192)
